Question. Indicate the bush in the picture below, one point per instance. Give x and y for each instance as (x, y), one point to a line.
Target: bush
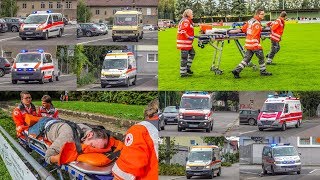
(232, 158)
(87, 79)
(171, 170)
(227, 164)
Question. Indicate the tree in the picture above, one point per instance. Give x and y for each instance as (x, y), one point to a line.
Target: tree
(218, 141)
(181, 6)
(310, 101)
(8, 8)
(224, 7)
(210, 8)
(83, 12)
(274, 4)
(198, 11)
(238, 8)
(227, 95)
(79, 60)
(167, 150)
(166, 9)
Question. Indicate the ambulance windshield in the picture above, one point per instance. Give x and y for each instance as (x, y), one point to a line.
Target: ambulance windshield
(115, 64)
(284, 151)
(36, 19)
(125, 20)
(272, 107)
(194, 103)
(200, 156)
(28, 58)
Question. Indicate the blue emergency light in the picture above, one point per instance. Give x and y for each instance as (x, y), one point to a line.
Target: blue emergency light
(197, 92)
(40, 50)
(30, 69)
(36, 12)
(24, 50)
(281, 144)
(19, 69)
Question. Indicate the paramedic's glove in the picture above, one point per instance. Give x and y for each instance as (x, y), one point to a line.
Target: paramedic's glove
(269, 23)
(20, 129)
(191, 37)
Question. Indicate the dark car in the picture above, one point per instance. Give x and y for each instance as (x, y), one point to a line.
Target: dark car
(161, 121)
(3, 26)
(249, 116)
(13, 23)
(88, 29)
(5, 66)
(170, 114)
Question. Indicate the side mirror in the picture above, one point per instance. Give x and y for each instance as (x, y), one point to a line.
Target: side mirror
(259, 110)
(214, 158)
(130, 66)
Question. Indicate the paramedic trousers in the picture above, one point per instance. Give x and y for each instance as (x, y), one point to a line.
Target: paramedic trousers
(247, 58)
(37, 128)
(187, 57)
(275, 48)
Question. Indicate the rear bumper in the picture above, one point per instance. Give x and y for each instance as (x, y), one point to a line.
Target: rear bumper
(26, 76)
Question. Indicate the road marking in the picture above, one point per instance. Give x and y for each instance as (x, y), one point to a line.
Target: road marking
(86, 42)
(252, 178)
(248, 132)
(8, 38)
(247, 172)
(313, 171)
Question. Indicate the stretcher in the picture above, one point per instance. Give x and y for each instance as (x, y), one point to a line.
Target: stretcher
(76, 170)
(216, 38)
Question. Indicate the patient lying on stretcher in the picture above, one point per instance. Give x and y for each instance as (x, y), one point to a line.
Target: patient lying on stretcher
(72, 141)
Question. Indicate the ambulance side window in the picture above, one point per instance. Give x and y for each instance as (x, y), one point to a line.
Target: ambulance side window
(55, 18)
(286, 108)
(50, 19)
(48, 58)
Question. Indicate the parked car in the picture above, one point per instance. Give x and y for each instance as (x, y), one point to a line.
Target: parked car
(249, 116)
(149, 27)
(170, 114)
(103, 27)
(89, 29)
(5, 66)
(13, 23)
(3, 26)
(161, 121)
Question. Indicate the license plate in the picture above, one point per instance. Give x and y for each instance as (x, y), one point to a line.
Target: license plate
(289, 169)
(113, 82)
(124, 37)
(29, 32)
(170, 119)
(193, 125)
(25, 77)
(266, 126)
(197, 173)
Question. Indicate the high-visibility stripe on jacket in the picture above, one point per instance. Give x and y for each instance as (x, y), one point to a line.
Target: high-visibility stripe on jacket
(52, 112)
(277, 29)
(139, 156)
(253, 30)
(19, 114)
(185, 29)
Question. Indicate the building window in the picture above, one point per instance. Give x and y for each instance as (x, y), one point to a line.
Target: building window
(139, 9)
(308, 141)
(97, 11)
(59, 5)
(69, 4)
(152, 58)
(43, 5)
(32, 6)
(24, 5)
(105, 12)
(148, 11)
(50, 5)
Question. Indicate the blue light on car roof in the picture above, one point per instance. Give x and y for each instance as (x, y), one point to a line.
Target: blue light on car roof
(30, 69)
(24, 50)
(49, 11)
(40, 50)
(34, 12)
(197, 92)
(270, 96)
(273, 145)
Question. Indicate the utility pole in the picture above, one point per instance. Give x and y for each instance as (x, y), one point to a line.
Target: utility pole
(11, 8)
(283, 4)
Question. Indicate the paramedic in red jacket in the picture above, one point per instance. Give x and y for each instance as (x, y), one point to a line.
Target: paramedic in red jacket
(253, 30)
(277, 28)
(185, 38)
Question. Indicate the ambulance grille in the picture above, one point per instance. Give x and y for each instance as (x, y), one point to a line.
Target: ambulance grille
(196, 167)
(29, 29)
(112, 76)
(267, 122)
(190, 117)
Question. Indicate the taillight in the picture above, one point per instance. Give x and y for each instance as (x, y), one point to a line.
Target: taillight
(6, 65)
(14, 66)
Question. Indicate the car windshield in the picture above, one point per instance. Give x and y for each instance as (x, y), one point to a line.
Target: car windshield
(194, 103)
(200, 156)
(115, 64)
(28, 58)
(284, 151)
(272, 107)
(171, 109)
(125, 20)
(36, 19)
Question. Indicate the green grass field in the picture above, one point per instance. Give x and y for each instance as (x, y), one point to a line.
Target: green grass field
(297, 64)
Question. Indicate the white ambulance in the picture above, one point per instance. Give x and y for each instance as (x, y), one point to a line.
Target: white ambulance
(280, 112)
(42, 24)
(196, 111)
(203, 161)
(34, 65)
(119, 68)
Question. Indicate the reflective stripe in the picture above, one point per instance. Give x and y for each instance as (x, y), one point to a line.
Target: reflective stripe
(184, 45)
(184, 41)
(154, 134)
(183, 68)
(118, 172)
(241, 65)
(252, 45)
(275, 38)
(280, 22)
(252, 40)
(243, 62)
(275, 34)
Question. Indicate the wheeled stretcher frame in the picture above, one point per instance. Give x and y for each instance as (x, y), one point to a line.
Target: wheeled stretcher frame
(76, 170)
(216, 40)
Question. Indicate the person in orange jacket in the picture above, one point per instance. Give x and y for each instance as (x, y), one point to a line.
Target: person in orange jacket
(185, 38)
(253, 30)
(19, 113)
(139, 156)
(47, 109)
(277, 28)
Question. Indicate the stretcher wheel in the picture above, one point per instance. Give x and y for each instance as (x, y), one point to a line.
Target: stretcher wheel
(202, 46)
(213, 68)
(218, 72)
(199, 45)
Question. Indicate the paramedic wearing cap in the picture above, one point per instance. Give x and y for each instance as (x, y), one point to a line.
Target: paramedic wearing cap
(277, 28)
(253, 30)
(47, 109)
(185, 38)
(19, 113)
(139, 156)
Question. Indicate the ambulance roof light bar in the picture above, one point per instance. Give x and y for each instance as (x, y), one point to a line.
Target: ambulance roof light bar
(120, 51)
(280, 144)
(32, 50)
(41, 12)
(197, 92)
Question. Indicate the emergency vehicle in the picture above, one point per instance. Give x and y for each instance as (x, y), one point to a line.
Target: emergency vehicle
(42, 24)
(280, 112)
(203, 161)
(119, 68)
(196, 111)
(34, 65)
(280, 158)
(127, 25)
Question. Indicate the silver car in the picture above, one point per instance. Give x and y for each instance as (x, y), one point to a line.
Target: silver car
(278, 158)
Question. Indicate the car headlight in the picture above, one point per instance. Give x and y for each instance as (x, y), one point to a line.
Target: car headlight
(298, 161)
(277, 162)
(207, 167)
(206, 117)
(187, 167)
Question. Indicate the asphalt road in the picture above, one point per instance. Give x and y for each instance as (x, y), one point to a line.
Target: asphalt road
(68, 38)
(307, 128)
(66, 82)
(254, 172)
(149, 38)
(226, 124)
(144, 83)
(227, 173)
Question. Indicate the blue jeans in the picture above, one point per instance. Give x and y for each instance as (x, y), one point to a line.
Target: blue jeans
(39, 126)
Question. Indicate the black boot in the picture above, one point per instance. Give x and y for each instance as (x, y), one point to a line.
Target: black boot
(184, 75)
(265, 73)
(236, 74)
(189, 71)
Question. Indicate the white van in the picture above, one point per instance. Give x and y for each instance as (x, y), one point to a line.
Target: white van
(119, 68)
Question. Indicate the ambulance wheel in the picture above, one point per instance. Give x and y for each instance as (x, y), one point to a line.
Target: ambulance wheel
(179, 129)
(264, 170)
(23, 38)
(219, 173)
(298, 124)
(128, 82)
(41, 81)
(14, 81)
(2, 73)
(57, 78)
(135, 79)
(51, 79)
(45, 36)
(298, 172)
(188, 177)
(211, 174)
(260, 129)
(208, 130)
(60, 33)
(283, 127)
(137, 39)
